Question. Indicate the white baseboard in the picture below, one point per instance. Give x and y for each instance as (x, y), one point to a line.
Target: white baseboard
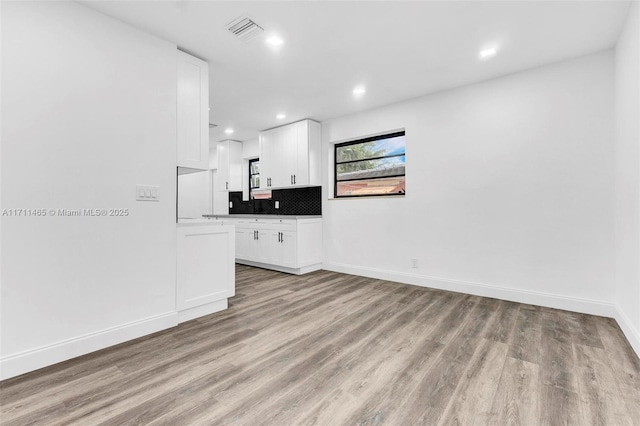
(24, 362)
(296, 271)
(574, 304)
(200, 311)
(630, 332)
(550, 300)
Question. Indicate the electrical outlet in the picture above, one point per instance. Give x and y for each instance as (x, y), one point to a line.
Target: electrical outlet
(277, 204)
(414, 263)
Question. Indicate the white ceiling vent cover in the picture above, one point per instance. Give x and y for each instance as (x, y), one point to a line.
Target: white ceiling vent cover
(244, 28)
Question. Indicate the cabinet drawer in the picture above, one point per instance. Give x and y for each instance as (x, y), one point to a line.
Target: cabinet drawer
(252, 223)
(284, 225)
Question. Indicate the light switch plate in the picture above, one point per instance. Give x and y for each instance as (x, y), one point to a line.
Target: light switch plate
(147, 193)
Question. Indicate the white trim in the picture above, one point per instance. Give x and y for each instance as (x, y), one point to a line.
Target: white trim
(296, 271)
(630, 332)
(200, 311)
(33, 359)
(550, 300)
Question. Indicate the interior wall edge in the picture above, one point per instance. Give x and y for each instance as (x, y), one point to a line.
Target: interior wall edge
(33, 359)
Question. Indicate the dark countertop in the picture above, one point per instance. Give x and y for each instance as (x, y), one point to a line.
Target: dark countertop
(260, 216)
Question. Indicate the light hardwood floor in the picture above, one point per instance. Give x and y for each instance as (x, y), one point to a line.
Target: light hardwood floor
(335, 349)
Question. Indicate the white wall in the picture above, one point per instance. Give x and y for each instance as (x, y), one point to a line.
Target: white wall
(88, 111)
(195, 194)
(509, 190)
(627, 178)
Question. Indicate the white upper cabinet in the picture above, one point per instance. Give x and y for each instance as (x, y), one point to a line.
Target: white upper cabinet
(220, 202)
(290, 155)
(229, 176)
(193, 112)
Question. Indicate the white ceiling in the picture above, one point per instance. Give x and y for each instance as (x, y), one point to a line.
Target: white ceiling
(398, 50)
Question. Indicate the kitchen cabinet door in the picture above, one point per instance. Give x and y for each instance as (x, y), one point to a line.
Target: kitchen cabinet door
(280, 158)
(266, 159)
(300, 153)
(263, 246)
(192, 114)
(283, 248)
(287, 156)
(243, 241)
(220, 198)
(229, 166)
(205, 266)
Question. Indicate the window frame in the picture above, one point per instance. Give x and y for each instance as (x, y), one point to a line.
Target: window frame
(253, 160)
(360, 141)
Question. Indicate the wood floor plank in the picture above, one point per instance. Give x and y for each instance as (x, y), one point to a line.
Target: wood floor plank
(469, 333)
(584, 330)
(527, 334)
(472, 400)
(334, 349)
(624, 363)
(558, 406)
(556, 355)
(502, 328)
(600, 397)
(516, 398)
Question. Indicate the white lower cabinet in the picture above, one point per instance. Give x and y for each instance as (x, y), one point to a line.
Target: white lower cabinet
(287, 245)
(205, 269)
(284, 244)
(243, 235)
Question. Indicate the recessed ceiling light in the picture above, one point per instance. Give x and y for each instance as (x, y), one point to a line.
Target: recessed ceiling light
(281, 116)
(275, 41)
(360, 90)
(487, 53)
(228, 131)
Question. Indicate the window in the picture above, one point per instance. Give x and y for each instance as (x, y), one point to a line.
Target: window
(254, 177)
(370, 167)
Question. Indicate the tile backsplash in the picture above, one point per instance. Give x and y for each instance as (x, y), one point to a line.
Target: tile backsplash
(295, 202)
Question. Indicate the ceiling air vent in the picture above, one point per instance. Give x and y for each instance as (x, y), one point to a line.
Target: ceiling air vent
(244, 28)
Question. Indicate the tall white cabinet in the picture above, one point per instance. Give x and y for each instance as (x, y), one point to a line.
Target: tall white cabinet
(205, 249)
(192, 113)
(290, 156)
